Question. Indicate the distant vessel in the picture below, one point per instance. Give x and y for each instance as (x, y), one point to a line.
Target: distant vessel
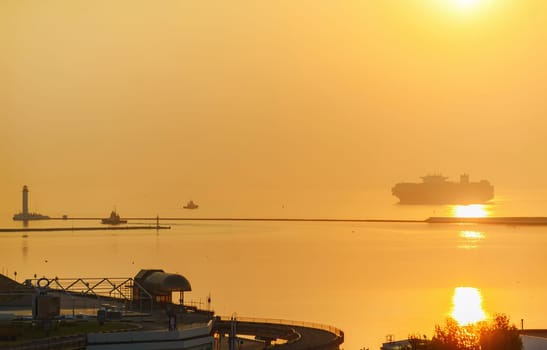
(114, 219)
(25, 215)
(435, 189)
(191, 205)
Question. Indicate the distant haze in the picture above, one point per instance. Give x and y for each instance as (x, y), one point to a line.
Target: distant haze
(249, 103)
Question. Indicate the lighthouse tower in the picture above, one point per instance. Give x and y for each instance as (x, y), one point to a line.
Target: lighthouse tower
(25, 201)
(25, 215)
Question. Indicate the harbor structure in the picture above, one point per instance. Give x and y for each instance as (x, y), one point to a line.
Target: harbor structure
(165, 325)
(25, 215)
(190, 337)
(159, 285)
(25, 200)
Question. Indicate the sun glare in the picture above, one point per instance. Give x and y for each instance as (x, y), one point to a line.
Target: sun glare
(470, 211)
(466, 3)
(467, 306)
(465, 7)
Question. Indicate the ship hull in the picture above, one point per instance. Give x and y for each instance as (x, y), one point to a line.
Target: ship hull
(113, 222)
(443, 193)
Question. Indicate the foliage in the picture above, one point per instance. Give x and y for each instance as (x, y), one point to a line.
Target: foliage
(498, 335)
(455, 337)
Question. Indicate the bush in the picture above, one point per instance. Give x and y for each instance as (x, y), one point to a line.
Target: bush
(497, 335)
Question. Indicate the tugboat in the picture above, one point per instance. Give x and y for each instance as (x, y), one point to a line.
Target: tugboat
(435, 189)
(114, 219)
(191, 205)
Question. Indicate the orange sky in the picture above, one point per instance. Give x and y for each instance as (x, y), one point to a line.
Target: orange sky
(159, 102)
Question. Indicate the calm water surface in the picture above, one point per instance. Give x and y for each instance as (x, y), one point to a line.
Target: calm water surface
(369, 279)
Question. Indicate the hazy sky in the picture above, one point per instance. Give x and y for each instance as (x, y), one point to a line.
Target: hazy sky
(158, 102)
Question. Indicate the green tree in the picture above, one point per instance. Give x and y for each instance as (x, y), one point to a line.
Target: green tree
(497, 335)
(452, 336)
(500, 335)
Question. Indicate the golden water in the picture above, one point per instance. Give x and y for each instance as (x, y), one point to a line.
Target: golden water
(369, 279)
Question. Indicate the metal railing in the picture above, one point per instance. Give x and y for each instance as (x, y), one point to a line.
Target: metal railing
(114, 287)
(118, 289)
(338, 332)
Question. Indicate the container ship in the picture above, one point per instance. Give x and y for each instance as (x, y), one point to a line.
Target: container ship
(436, 189)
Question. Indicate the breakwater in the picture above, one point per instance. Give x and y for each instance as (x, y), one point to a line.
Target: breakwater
(502, 220)
(250, 219)
(499, 220)
(99, 228)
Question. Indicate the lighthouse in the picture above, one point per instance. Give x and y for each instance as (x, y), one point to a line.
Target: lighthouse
(25, 201)
(25, 215)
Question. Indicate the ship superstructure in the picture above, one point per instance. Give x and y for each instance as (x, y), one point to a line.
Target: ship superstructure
(113, 219)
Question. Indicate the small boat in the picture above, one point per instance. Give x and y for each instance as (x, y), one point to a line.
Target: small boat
(191, 205)
(114, 219)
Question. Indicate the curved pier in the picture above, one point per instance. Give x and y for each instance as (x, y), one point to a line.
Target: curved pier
(296, 335)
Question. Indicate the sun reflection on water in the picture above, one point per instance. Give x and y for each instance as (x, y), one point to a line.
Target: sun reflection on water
(471, 235)
(470, 239)
(470, 211)
(467, 306)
